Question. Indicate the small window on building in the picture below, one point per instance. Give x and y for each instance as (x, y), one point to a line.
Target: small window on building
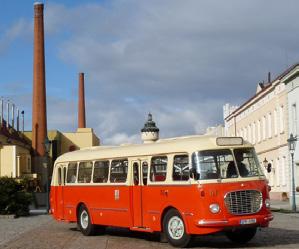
(281, 119)
(269, 125)
(85, 170)
(71, 173)
(180, 168)
(119, 170)
(275, 122)
(100, 172)
(158, 169)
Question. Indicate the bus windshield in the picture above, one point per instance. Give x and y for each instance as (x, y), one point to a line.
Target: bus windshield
(223, 164)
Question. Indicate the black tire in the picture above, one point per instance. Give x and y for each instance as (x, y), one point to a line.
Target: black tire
(84, 222)
(241, 236)
(175, 229)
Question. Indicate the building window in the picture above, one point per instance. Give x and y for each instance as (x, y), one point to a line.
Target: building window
(275, 122)
(277, 171)
(253, 133)
(283, 171)
(249, 134)
(281, 119)
(264, 127)
(294, 119)
(269, 125)
(258, 131)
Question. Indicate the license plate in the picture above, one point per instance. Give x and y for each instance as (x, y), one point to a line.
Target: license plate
(247, 221)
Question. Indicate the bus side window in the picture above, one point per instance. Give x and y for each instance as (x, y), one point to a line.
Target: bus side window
(71, 173)
(85, 170)
(180, 168)
(64, 175)
(119, 170)
(158, 169)
(144, 172)
(136, 174)
(59, 176)
(100, 172)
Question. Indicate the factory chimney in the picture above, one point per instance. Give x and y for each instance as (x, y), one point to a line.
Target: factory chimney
(81, 103)
(39, 110)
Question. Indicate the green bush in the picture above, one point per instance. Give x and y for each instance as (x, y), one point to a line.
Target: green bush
(13, 197)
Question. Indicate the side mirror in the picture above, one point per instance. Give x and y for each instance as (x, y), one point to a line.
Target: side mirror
(269, 167)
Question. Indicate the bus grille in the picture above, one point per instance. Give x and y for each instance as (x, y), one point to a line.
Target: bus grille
(243, 202)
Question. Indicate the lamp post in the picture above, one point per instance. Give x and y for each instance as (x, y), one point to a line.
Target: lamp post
(47, 144)
(292, 145)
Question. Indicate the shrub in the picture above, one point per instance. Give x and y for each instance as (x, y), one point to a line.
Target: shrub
(13, 197)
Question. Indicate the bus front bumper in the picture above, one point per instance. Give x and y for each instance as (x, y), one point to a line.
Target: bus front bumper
(253, 220)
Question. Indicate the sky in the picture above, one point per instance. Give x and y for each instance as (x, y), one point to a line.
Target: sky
(180, 60)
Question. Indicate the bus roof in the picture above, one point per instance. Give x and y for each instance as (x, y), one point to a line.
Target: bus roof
(170, 145)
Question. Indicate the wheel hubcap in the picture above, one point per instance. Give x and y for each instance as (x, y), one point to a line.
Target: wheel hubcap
(84, 219)
(176, 227)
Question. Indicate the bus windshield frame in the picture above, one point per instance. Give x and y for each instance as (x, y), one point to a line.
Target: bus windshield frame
(225, 164)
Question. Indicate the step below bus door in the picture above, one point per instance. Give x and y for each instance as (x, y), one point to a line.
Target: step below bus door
(61, 173)
(139, 171)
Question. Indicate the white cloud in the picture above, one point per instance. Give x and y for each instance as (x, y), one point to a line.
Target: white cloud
(180, 60)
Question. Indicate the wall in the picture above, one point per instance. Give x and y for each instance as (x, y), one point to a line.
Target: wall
(84, 137)
(7, 160)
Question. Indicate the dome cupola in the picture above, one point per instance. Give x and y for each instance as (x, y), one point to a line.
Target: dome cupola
(150, 132)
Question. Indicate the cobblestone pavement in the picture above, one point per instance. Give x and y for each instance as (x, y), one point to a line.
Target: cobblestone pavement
(42, 232)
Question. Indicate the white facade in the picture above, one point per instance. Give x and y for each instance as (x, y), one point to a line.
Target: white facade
(291, 81)
(263, 121)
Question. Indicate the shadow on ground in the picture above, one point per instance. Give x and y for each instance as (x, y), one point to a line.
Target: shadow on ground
(269, 237)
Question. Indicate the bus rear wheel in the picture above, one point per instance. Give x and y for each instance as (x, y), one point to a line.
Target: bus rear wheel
(175, 229)
(241, 236)
(84, 221)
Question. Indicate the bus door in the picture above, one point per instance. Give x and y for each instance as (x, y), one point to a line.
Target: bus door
(140, 168)
(61, 171)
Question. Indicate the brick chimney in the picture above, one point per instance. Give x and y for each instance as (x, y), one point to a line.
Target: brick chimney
(39, 110)
(81, 103)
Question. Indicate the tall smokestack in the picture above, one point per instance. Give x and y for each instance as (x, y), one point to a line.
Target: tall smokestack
(39, 111)
(269, 77)
(81, 103)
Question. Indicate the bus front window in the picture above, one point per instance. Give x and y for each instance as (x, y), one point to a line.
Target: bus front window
(221, 164)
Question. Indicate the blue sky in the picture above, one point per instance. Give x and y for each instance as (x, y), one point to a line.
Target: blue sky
(180, 60)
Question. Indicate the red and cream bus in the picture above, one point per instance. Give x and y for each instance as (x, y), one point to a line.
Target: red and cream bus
(180, 187)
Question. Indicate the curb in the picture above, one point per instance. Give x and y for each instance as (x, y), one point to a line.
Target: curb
(8, 216)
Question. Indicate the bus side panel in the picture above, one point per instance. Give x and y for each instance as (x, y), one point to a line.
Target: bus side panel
(111, 206)
(107, 205)
(157, 198)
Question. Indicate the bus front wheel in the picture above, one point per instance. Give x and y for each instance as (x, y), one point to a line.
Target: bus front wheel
(241, 236)
(84, 221)
(175, 229)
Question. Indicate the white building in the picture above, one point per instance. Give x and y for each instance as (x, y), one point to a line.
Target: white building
(265, 120)
(291, 80)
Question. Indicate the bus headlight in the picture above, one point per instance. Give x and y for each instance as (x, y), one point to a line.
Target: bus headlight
(214, 208)
(267, 203)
